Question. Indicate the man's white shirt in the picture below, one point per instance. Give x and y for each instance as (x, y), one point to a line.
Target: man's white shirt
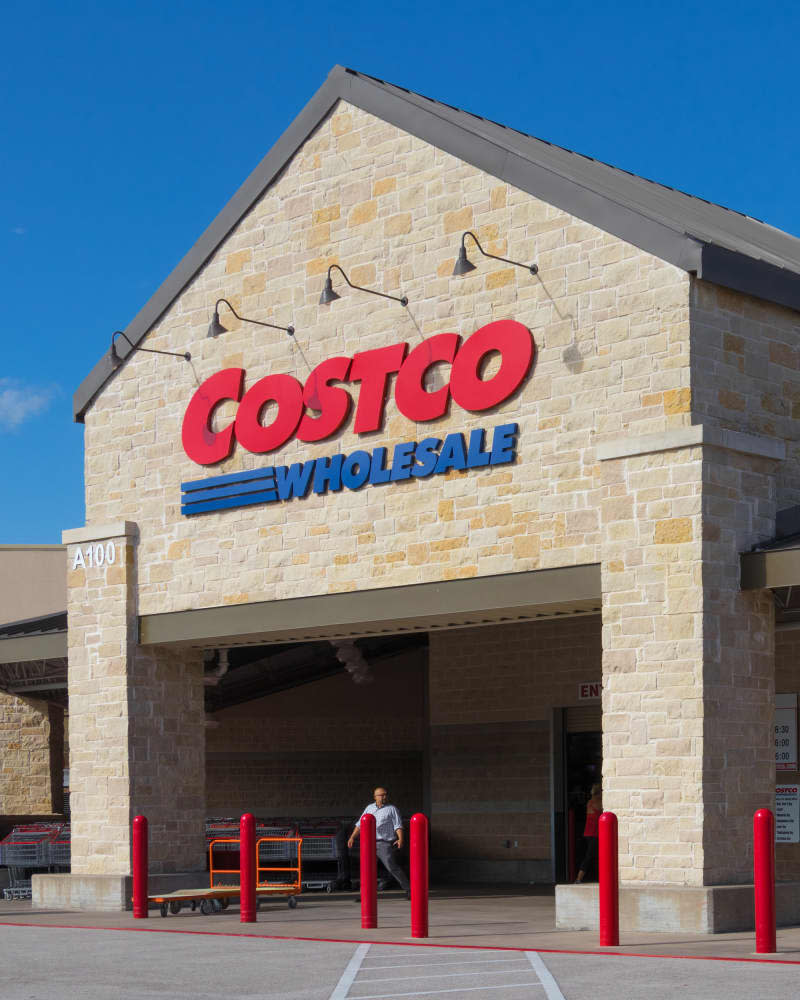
(387, 821)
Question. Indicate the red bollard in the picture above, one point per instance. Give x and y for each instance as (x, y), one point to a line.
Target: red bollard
(608, 871)
(419, 875)
(247, 869)
(764, 878)
(369, 872)
(139, 857)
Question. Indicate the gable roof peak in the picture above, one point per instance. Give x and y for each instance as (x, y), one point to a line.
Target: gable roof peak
(715, 243)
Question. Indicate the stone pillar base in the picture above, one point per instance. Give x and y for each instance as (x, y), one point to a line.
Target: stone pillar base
(712, 909)
(104, 893)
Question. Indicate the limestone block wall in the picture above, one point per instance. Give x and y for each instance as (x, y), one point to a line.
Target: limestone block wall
(137, 731)
(101, 610)
(688, 682)
(746, 372)
(321, 748)
(611, 325)
(492, 691)
(31, 738)
(653, 662)
(738, 662)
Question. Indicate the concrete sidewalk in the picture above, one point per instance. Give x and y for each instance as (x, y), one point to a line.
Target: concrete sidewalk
(476, 918)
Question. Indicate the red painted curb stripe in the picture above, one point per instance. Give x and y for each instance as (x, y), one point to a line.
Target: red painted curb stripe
(404, 944)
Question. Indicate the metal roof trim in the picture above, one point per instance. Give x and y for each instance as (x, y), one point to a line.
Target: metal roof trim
(770, 569)
(48, 646)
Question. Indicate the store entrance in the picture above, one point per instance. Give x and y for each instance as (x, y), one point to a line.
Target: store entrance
(578, 764)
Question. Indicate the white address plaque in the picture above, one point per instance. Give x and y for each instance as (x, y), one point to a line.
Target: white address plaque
(96, 554)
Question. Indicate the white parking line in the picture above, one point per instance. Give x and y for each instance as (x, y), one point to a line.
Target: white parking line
(438, 965)
(551, 987)
(350, 973)
(440, 975)
(462, 989)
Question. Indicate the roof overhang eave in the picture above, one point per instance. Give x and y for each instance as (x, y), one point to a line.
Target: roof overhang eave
(771, 569)
(21, 649)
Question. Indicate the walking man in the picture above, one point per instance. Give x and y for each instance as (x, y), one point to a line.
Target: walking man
(388, 835)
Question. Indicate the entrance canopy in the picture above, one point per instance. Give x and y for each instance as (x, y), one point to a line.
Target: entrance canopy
(512, 597)
(776, 565)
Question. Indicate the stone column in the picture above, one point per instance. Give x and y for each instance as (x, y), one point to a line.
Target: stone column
(688, 658)
(31, 756)
(137, 732)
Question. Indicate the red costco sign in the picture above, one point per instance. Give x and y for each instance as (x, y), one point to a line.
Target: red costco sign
(319, 408)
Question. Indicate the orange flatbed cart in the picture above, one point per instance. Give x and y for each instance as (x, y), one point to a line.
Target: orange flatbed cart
(218, 895)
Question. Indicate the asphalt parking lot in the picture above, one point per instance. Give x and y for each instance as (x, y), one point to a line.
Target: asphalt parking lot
(45, 962)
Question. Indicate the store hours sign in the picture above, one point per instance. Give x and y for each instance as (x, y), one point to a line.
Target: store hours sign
(785, 732)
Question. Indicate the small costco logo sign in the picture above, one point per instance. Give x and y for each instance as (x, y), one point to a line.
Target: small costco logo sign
(589, 692)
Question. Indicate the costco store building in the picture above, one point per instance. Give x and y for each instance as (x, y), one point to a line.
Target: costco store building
(523, 518)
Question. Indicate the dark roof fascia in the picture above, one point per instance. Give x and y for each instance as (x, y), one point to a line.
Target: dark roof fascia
(47, 646)
(770, 569)
(754, 277)
(40, 625)
(499, 151)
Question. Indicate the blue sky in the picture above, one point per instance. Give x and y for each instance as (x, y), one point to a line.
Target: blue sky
(125, 129)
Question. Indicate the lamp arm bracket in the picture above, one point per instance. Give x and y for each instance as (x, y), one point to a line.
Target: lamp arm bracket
(246, 319)
(533, 268)
(403, 300)
(147, 350)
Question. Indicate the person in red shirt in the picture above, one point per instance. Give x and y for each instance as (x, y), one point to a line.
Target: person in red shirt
(590, 833)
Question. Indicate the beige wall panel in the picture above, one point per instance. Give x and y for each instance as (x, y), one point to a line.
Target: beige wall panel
(33, 581)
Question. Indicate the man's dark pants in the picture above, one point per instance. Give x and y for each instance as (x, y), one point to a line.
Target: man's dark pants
(388, 857)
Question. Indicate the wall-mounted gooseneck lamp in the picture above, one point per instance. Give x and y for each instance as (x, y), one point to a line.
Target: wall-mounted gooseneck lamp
(215, 328)
(464, 265)
(328, 294)
(117, 360)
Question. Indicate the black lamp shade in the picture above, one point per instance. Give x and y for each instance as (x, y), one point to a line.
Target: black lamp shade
(328, 294)
(463, 264)
(215, 328)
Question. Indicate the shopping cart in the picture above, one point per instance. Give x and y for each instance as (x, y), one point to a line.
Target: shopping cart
(325, 858)
(58, 850)
(223, 832)
(24, 850)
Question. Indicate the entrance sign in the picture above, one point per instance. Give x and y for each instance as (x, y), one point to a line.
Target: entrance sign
(590, 691)
(785, 732)
(787, 814)
(318, 409)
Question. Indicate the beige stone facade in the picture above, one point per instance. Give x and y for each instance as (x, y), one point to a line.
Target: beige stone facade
(611, 325)
(657, 438)
(137, 729)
